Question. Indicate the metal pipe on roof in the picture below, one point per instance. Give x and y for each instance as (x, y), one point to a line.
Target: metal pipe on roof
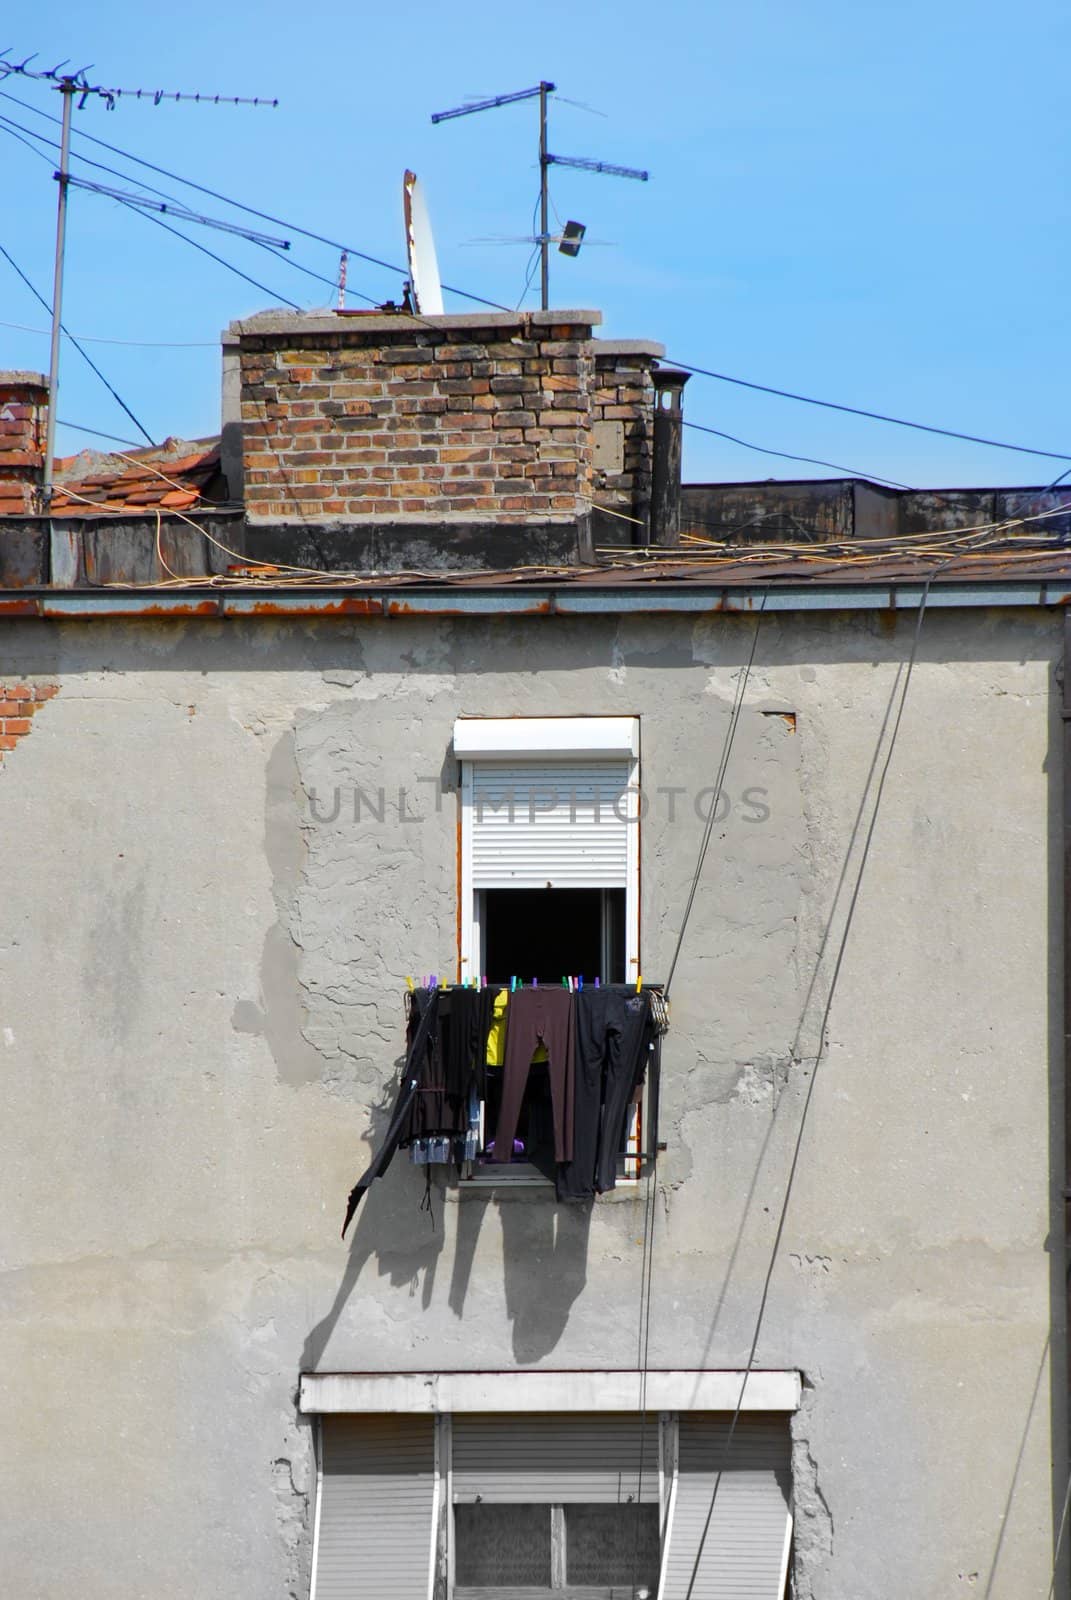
(666, 455)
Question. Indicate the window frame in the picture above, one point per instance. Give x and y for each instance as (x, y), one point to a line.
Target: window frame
(513, 740)
(520, 739)
(671, 1397)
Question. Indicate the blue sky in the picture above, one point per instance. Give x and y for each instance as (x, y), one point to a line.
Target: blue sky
(867, 203)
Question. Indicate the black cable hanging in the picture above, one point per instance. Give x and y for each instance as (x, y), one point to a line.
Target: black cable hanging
(84, 354)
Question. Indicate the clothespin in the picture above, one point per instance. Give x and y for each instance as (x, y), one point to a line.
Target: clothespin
(580, 981)
(535, 983)
(565, 983)
(639, 983)
(409, 983)
(596, 983)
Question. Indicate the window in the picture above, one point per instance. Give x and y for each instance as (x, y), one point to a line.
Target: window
(549, 811)
(549, 877)
(530, 1506)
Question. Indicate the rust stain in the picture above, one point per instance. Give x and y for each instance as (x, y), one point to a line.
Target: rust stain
(192, 608)
(18, 608)
(400, 608)
(347, 606)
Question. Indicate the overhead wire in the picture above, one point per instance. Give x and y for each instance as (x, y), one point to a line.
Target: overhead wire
(873, 416)
(205, 251)
(17, 130)
(319, 238)
(723, 763)
(813, 461)
(787, 394)
(86, 357)
(135, 344)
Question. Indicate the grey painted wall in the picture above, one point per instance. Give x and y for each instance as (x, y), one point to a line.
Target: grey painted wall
(201, 1016)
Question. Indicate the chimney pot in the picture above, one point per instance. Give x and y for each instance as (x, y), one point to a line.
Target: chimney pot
(23, 418)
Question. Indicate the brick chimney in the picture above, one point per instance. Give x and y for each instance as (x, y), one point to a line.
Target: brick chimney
(23, 414)
(367, 417)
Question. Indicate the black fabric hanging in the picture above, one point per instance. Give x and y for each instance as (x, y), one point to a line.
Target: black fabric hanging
(417, 1064)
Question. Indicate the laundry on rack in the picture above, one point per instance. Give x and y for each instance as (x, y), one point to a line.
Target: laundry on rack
(538, 1074)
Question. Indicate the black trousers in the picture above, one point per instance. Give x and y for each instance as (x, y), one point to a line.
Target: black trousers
(613, 1029)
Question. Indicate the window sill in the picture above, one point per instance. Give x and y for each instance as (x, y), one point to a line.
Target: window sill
(522, 1178)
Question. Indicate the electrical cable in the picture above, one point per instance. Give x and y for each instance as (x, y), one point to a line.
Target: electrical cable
(820, 1052)
(786, 394)
(86, 357)
(223, 262)
(644, 1343)
(873, 416)
(813, 461)
(252, 211)
(16, 130)
(114, 437)
(134, 344)
(727, 746)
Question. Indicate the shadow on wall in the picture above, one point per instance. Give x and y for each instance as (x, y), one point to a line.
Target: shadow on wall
(544, 1262)
(544, 1249)
(393, 1224)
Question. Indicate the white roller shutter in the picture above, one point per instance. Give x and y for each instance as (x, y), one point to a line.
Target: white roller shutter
(561, 1459)
(740, 1553)
(550, 824)
(377, 1508)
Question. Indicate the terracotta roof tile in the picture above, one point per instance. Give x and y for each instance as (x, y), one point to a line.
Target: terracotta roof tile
(175, 476)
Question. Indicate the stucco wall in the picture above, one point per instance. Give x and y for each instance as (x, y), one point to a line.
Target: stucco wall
(201, 976)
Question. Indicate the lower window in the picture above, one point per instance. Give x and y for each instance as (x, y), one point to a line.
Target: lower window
(553, 1549)
(589, 1506)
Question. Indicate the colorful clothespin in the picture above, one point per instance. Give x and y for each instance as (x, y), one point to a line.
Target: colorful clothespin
(580, 981)
(535, 983)
(597, 981)
(409, 983)
(639, 983)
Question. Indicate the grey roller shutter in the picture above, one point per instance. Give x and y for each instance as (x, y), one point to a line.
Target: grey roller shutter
(741, 1554)
(561, 1459)
(561, 824)
(377, 1508)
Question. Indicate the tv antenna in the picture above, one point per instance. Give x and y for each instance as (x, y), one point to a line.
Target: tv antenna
(546, 160)
(72, 84)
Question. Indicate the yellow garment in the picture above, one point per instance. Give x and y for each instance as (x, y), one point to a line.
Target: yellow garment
(496, 1037)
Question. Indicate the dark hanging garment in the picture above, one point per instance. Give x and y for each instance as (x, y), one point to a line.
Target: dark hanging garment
(629, 1031)
(466, 1017)
(456, 1050)
(612, 1034)
(417, 1063)
(538, 1016)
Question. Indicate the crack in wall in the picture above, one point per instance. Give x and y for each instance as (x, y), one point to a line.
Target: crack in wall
(292, 1526)
(812, 1533)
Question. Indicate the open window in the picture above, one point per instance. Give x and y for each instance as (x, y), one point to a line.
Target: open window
(549, 875)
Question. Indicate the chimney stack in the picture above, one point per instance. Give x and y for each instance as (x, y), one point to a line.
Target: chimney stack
(666, 466)
(23, 415)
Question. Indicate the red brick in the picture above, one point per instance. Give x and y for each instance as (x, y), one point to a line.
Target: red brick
(16, 725)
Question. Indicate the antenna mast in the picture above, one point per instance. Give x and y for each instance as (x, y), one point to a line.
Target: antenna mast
(544, 89)
(67, 90)
(70, 84)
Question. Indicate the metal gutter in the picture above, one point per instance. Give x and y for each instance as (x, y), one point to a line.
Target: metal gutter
(515, 600)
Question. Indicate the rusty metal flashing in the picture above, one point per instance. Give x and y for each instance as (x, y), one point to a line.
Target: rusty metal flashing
(488, 600)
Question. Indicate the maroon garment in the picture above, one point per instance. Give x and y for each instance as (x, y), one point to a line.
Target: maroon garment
(534, 1017)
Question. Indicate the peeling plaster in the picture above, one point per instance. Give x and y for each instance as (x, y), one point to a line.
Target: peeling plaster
(812, 1534)
(281, 1015)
